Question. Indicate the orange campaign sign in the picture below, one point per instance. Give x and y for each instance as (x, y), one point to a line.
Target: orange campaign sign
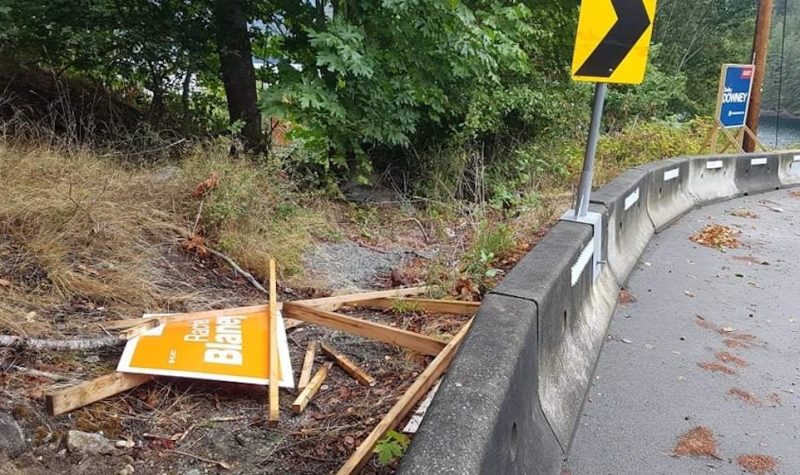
(233, 348)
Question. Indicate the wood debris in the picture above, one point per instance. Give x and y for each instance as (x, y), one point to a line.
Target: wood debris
(311, 389)
(348, 366)
(308, 365)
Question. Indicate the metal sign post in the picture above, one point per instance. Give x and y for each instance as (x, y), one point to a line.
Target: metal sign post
(585, 186)
(611, 46)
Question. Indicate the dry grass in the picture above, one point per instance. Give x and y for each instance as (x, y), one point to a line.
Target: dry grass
(81, 229)
(255, 213)
(73, 225)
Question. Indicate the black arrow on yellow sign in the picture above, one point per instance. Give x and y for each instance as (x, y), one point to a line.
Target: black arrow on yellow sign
(632, 22)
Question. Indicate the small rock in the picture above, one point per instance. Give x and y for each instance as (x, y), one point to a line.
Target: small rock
(12, 441)
(625, 340)
(88, 443)
(124, 444)
(92, 359)
(240, 439)
(129, 468)
(649, 346)
(127, 459)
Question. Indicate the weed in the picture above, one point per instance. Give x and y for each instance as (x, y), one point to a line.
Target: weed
(405, 306)
(391, 447)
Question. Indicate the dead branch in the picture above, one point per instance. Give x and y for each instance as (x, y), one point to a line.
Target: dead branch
(12, 341)
(238, 269)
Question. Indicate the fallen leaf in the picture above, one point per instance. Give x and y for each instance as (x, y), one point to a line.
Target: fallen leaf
(5, 283)
(716, 236)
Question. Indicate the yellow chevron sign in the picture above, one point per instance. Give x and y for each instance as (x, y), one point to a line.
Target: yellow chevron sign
(613, 40)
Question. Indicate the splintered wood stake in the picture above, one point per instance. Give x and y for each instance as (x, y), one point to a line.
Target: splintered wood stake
(313, 386)
(308, 365)
(146, 325)
(348, 366)
(274, 379)
(73, 397)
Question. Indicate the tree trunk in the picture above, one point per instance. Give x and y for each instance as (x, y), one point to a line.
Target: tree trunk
(238, 75)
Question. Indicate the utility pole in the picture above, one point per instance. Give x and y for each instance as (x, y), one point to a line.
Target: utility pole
(760, 46)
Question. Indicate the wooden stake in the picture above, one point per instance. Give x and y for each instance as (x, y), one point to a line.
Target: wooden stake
(376, 331)
(91, 391)
(308, 364)
(337, 302)
(454, 307)
(274, 366)
(348, 366)
(309, 391)
(405, 404)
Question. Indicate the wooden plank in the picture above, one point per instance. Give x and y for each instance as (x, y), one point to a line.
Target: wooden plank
(308, 365)
(348, 366)
(184, 317)
(274, 366)
(454, 307)
(326, 303)
(83, 394)
(405, 404)
(309, 391)
(337, 302)
(356, 326)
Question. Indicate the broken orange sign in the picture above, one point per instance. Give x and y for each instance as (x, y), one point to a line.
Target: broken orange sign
(232, 348)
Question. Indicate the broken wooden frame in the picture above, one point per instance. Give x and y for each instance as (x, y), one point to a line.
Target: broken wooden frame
(319, 312)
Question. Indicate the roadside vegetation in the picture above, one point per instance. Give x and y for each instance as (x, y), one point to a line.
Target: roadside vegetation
(136, 133)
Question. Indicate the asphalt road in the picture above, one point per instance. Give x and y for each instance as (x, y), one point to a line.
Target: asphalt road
(692, 303)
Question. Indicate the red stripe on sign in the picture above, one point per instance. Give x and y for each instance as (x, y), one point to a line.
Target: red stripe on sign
(747, 73)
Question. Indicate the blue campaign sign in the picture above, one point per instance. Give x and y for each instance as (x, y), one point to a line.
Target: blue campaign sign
(736, 82)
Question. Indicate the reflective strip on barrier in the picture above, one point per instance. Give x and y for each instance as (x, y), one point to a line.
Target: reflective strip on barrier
(583, 259)
(631, 199)
(758, 161)
(672, 174)
(713, 164)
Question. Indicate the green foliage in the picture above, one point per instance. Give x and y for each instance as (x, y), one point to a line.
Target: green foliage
(644, 142)
(696, 39)
(391, 447)
(783, 62)
(492, 241)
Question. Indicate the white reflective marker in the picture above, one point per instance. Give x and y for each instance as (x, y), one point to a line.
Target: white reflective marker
(631, 199)
(672, 174)
(713, 164)
(796, 158)
(583, 259)
(758, 161)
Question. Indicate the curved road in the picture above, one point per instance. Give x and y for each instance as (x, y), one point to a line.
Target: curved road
(712, 343)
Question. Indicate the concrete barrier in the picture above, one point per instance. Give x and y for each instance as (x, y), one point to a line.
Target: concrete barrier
(789, 168)
(667, 192)
(757, 173)
(512, 398)
(712, 179)
(628, 225)
(486, 417)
